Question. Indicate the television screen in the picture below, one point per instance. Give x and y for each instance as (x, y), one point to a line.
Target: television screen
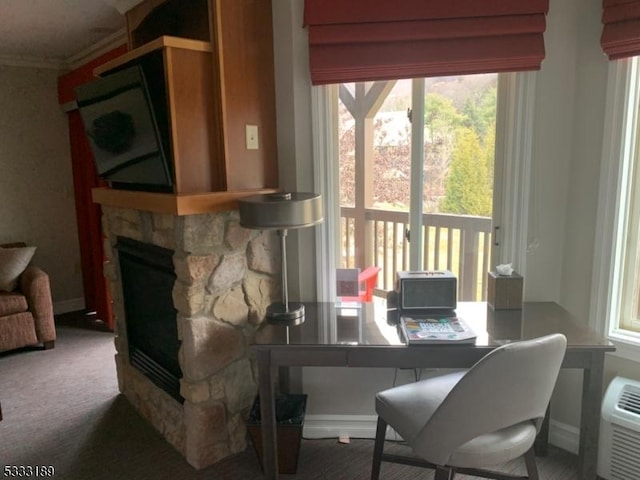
(120, 123)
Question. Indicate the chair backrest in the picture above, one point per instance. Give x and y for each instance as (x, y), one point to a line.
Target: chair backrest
(510, 385)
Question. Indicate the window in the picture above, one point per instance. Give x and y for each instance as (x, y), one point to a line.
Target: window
(446, 174)
(513, 133)
(616, 288)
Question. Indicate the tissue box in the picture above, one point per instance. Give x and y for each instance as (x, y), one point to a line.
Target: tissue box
(504, 292)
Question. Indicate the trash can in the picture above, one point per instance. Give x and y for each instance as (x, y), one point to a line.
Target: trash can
(290, 410)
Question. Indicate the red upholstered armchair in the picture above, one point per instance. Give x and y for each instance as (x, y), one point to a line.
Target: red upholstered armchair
(367, 280)
(26, 312)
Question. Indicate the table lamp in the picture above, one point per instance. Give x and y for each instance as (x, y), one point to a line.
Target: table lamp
(281, 212)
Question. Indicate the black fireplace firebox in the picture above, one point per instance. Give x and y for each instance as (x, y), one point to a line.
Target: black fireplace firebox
(148, 276)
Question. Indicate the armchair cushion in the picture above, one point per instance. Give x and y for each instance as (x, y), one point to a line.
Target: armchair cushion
(17, 331)
(13, 261)
(12, 302)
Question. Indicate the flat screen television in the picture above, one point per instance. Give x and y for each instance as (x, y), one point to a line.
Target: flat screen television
(121, 123)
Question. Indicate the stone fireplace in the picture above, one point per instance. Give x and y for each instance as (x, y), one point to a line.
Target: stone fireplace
(225, 276)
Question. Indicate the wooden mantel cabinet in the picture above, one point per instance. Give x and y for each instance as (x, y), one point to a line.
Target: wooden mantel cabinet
(178, 77)
(215, 60)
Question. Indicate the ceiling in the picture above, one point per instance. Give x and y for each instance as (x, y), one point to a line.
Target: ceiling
(57, 33)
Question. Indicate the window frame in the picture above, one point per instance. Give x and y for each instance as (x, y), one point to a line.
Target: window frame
(619, 153)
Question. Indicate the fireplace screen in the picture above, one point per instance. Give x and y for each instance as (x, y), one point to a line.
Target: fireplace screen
(148, 276)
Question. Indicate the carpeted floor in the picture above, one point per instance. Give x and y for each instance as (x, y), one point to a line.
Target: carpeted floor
(62, 408)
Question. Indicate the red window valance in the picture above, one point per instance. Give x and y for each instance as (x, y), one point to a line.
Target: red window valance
(363, 40)
(621, 31)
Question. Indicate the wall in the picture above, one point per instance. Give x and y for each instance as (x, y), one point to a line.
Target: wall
(293, 111)
(588, 98)
(567, 147)
(553, 121)
(36, 187)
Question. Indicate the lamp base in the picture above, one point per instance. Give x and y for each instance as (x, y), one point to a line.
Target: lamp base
(279, 315)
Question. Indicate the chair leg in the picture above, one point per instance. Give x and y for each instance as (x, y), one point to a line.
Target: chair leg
(443, 473)
(381, 432)
(530, 462)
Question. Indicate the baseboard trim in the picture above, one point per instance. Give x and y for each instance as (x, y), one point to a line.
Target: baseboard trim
(66, 306)
(561, 435)
(566, 437)
(330, 426)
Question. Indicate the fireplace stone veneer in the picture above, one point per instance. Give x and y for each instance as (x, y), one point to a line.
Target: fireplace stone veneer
(225, 278)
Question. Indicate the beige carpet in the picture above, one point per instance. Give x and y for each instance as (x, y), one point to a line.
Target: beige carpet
(62, 408)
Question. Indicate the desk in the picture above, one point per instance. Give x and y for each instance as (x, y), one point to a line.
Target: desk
(335, 335)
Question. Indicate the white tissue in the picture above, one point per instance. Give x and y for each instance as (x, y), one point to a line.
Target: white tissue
(504, 269)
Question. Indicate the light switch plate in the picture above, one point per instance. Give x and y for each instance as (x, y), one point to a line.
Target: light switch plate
(252, 137)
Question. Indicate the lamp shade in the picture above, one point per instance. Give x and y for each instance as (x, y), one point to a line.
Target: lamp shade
(280, 210)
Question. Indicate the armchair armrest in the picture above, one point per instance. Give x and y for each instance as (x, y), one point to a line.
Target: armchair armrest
(34, 285)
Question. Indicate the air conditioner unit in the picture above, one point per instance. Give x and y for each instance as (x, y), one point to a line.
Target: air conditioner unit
(619, 445)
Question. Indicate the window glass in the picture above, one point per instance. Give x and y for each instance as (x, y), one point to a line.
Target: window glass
(615, 309)
(630, 243)
(375, 124)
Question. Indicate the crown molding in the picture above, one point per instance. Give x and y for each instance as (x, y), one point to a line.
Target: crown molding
(32, 62)
(77, 60)
(103, 46)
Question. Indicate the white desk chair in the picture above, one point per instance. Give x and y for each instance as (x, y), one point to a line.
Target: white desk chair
(468, 421)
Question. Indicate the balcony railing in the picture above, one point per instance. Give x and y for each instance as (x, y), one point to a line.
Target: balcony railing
(459, 243)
